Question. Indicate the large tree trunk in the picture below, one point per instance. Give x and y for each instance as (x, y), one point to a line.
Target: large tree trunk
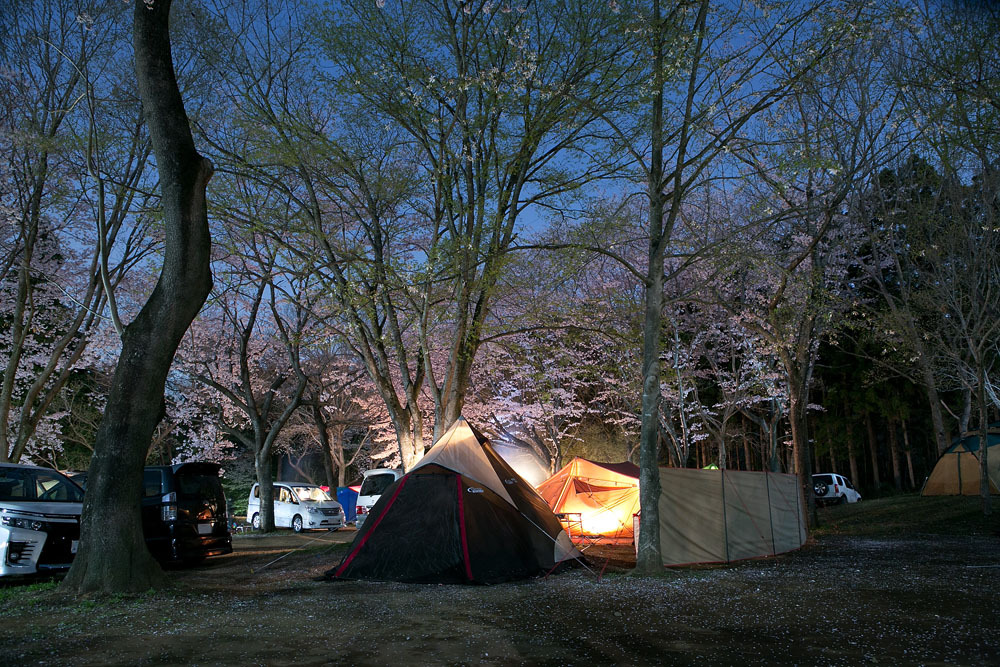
(984, 477)
(873, 446)
(747, 458)
(113, 557)
(852, 455)
(897, 471)
(934, 403)
(265, 487)
(648, 558)
(801, 450)
(330, 466)
(909, 456)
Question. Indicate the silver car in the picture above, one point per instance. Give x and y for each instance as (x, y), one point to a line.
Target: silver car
(298, 506)
(39, 520)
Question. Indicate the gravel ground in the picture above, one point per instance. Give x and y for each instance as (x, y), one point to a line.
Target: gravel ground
(911, 600)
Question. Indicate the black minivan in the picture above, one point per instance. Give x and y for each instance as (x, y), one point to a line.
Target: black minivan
(184, 512)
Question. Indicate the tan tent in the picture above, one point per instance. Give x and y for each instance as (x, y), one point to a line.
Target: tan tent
(719, 516)
(957, 470)
(594, 501)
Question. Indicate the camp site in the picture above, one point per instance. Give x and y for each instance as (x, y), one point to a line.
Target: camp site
(514, 332)
(461, 561)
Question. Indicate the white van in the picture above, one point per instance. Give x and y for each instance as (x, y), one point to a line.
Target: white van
(39, 519)
(375, 483)
(299, 507)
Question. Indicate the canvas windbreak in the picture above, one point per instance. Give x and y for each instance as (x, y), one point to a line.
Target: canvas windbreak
(719, 516)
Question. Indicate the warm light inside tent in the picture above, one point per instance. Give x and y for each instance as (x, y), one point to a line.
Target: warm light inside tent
(595, 501)
(603, 522)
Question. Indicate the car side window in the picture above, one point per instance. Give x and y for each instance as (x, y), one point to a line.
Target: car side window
(151, 483)
(12, 484)
(285, 496)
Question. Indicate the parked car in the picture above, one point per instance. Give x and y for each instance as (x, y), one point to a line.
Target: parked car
(298, 506)
(39, 519)
(79, 477)
(833, 489)
(374, 485)
(184, 512)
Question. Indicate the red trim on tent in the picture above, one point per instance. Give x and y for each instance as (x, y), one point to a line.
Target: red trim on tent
(354, 552)
(461, 529)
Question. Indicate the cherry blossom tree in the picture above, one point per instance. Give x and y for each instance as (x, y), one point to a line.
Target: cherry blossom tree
(341, 405)
(488, 103)
(71, 200)
(251, 343)
(537, 387)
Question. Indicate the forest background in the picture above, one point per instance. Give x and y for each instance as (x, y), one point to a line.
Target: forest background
(426, 209)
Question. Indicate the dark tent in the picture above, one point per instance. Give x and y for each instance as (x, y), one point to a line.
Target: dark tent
(462, 515)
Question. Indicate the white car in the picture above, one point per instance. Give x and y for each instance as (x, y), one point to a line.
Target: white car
(375, 483)
(833, 489)
(299, 507)
(39, 520)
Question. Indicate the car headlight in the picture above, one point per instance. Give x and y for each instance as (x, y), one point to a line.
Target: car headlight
(314, 510)
(26, 524)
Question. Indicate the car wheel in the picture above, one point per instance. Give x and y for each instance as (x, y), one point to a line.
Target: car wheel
(819, 488)
(255, 521)
(842, 500)
(297, 523)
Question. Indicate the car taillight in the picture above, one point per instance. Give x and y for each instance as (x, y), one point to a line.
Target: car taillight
(169, 512)
(836, 488)
(361, 509)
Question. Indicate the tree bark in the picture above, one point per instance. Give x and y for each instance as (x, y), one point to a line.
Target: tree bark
(113, 557)
(934, 402)
(648, 557)
(873, 445)
(897, 471)
(909, 455)
(747, 458)
(984, 477)
(800, 446)
(852, 456)
(265, 487)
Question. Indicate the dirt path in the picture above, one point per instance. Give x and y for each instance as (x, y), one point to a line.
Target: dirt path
(907, 600)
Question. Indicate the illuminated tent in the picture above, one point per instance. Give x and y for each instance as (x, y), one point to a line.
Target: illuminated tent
(461, 515)
(957, 471)
(720, 516)
(595, 501)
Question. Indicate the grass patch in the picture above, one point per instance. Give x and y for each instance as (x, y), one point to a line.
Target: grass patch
(910, 514)
(15, 592)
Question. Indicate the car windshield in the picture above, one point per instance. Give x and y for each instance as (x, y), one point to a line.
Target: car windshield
(197, 486)
(311, 493)
(30, 485)
(375, 485)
